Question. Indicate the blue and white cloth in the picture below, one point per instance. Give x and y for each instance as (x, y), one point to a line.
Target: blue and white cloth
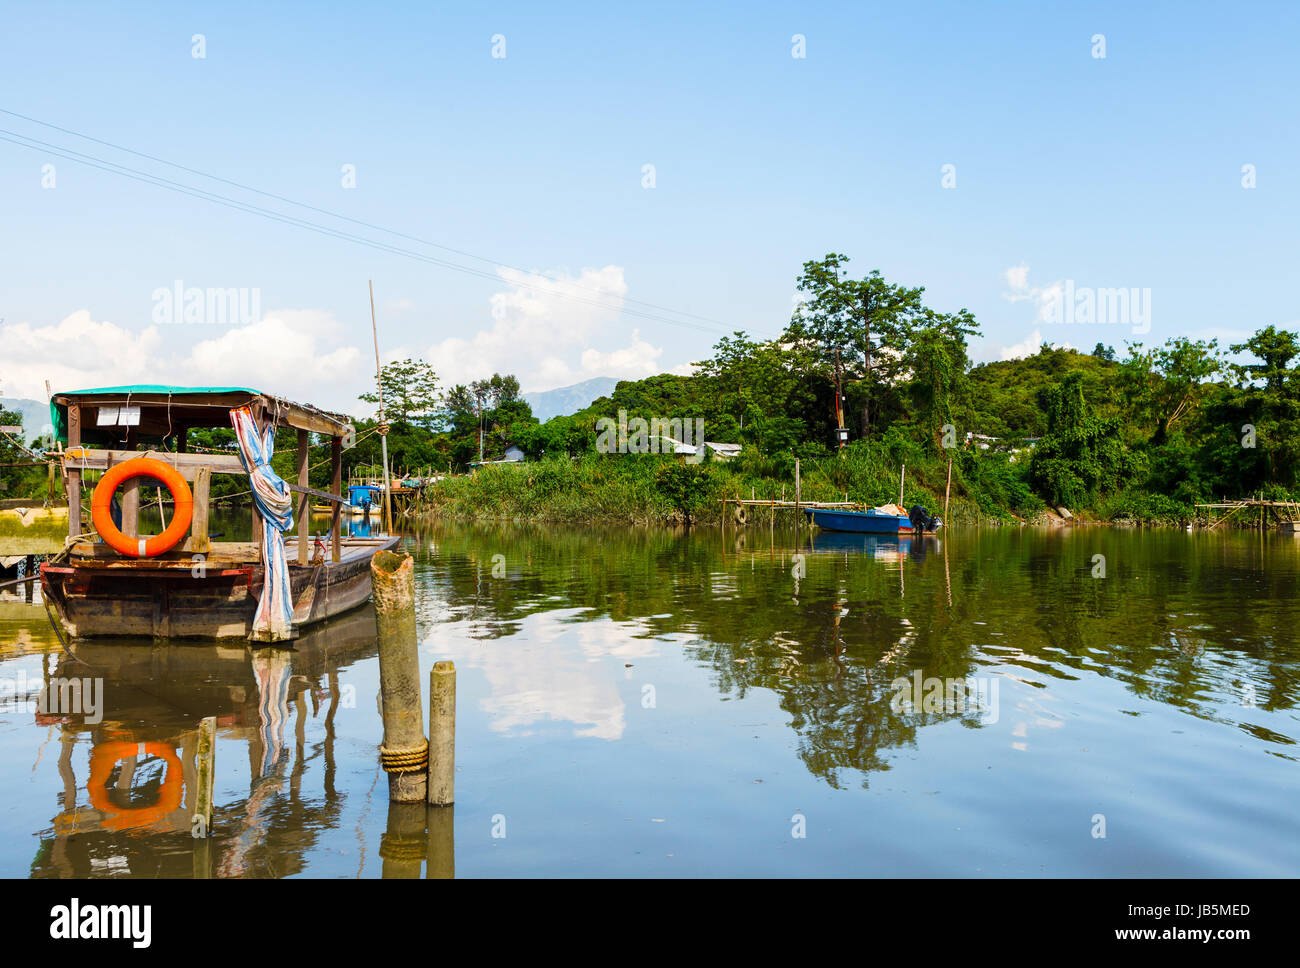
(274, 616)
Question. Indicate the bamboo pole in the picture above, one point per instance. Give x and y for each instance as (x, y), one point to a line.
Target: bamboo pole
(383, 436)
(946, 488)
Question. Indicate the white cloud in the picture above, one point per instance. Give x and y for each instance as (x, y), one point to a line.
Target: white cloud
(1028, 347)
(1047, 298)
(545, 330)
(288, 352)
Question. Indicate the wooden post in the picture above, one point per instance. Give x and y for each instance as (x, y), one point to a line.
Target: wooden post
(49, 497)
(442, 734)
(405, 752)
(798, 493)
(201, 822)
(304, 513)
(199, 543)
(131, 507)
(74, 474)
(901, 475)
(336, 464)
(946, 488)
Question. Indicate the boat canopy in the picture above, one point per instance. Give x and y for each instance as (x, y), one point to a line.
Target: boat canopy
(165, 409)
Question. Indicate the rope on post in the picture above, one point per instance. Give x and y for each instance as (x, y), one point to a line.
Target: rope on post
(413, 760)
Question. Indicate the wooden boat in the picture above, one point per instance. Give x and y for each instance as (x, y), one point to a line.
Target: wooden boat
(198, 588)
(887, 519)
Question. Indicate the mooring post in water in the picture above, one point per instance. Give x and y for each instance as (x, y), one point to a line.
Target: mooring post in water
(205, 770)
(405, 752)
(442, 734)
(946, 488)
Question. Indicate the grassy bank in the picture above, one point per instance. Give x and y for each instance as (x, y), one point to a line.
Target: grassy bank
(987, 488)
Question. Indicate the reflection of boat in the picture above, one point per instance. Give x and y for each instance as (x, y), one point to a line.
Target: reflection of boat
(886, 519)
(881, 547)
(143, 743)
(183, 583)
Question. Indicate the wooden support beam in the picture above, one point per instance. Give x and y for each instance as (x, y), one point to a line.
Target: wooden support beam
(131, 507)
(323, 495)
(336, 465)
(88, 459)
(217, 551)
(199, 542)
(304, 513)
(74, 475)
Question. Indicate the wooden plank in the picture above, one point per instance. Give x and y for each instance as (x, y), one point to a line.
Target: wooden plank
(323, 495)
(336, 465)
(304, 512)
(225, 550)
(131, 507)
(199, 541)
(74, 475)
(85, 458)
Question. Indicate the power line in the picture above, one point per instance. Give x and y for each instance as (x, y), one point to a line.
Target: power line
(253, 209)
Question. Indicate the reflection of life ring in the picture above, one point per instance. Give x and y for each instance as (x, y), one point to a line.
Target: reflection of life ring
(170, 478)
(102, 760)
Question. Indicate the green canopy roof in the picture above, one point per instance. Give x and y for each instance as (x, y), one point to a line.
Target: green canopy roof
(59, 412)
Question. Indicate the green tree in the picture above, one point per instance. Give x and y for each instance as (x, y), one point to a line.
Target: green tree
(410, 391)
(1081, 455)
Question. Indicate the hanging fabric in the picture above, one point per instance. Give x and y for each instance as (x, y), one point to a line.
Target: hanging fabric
(273, 620)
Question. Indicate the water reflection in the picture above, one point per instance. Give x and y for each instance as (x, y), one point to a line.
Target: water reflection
(827, 623)
(718, 683)
(131, 812)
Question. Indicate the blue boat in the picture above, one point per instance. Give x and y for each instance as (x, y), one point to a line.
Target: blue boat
(361, 497)
(875, 520)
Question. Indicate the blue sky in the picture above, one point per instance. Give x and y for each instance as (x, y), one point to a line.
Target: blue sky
(1122, 171)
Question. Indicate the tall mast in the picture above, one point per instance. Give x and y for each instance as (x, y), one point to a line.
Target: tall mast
(383, 434)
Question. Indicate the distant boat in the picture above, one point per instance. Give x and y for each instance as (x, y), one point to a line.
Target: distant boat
(362, 497)
(886, 519)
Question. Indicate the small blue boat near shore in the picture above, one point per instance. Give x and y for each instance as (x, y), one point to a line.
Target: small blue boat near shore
(888, 519)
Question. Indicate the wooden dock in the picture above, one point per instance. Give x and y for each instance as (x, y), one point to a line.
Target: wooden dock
(1265, 511)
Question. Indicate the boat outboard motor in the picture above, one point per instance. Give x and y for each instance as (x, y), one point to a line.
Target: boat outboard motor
(921, 520)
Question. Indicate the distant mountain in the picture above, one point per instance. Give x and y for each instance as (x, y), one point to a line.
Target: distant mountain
(36, 415)
(566, 400)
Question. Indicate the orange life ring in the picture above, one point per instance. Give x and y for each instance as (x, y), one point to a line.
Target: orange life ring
(102, 760)
(170, 478)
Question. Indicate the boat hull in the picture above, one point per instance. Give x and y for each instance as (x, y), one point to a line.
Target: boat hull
(172, 599)
(861, 522)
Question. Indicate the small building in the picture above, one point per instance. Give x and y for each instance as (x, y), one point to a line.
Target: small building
(719, 451)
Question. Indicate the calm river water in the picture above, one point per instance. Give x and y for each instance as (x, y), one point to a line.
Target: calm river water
(642, 703)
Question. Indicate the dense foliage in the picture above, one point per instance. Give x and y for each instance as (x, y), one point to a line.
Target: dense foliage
(1142, 434)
